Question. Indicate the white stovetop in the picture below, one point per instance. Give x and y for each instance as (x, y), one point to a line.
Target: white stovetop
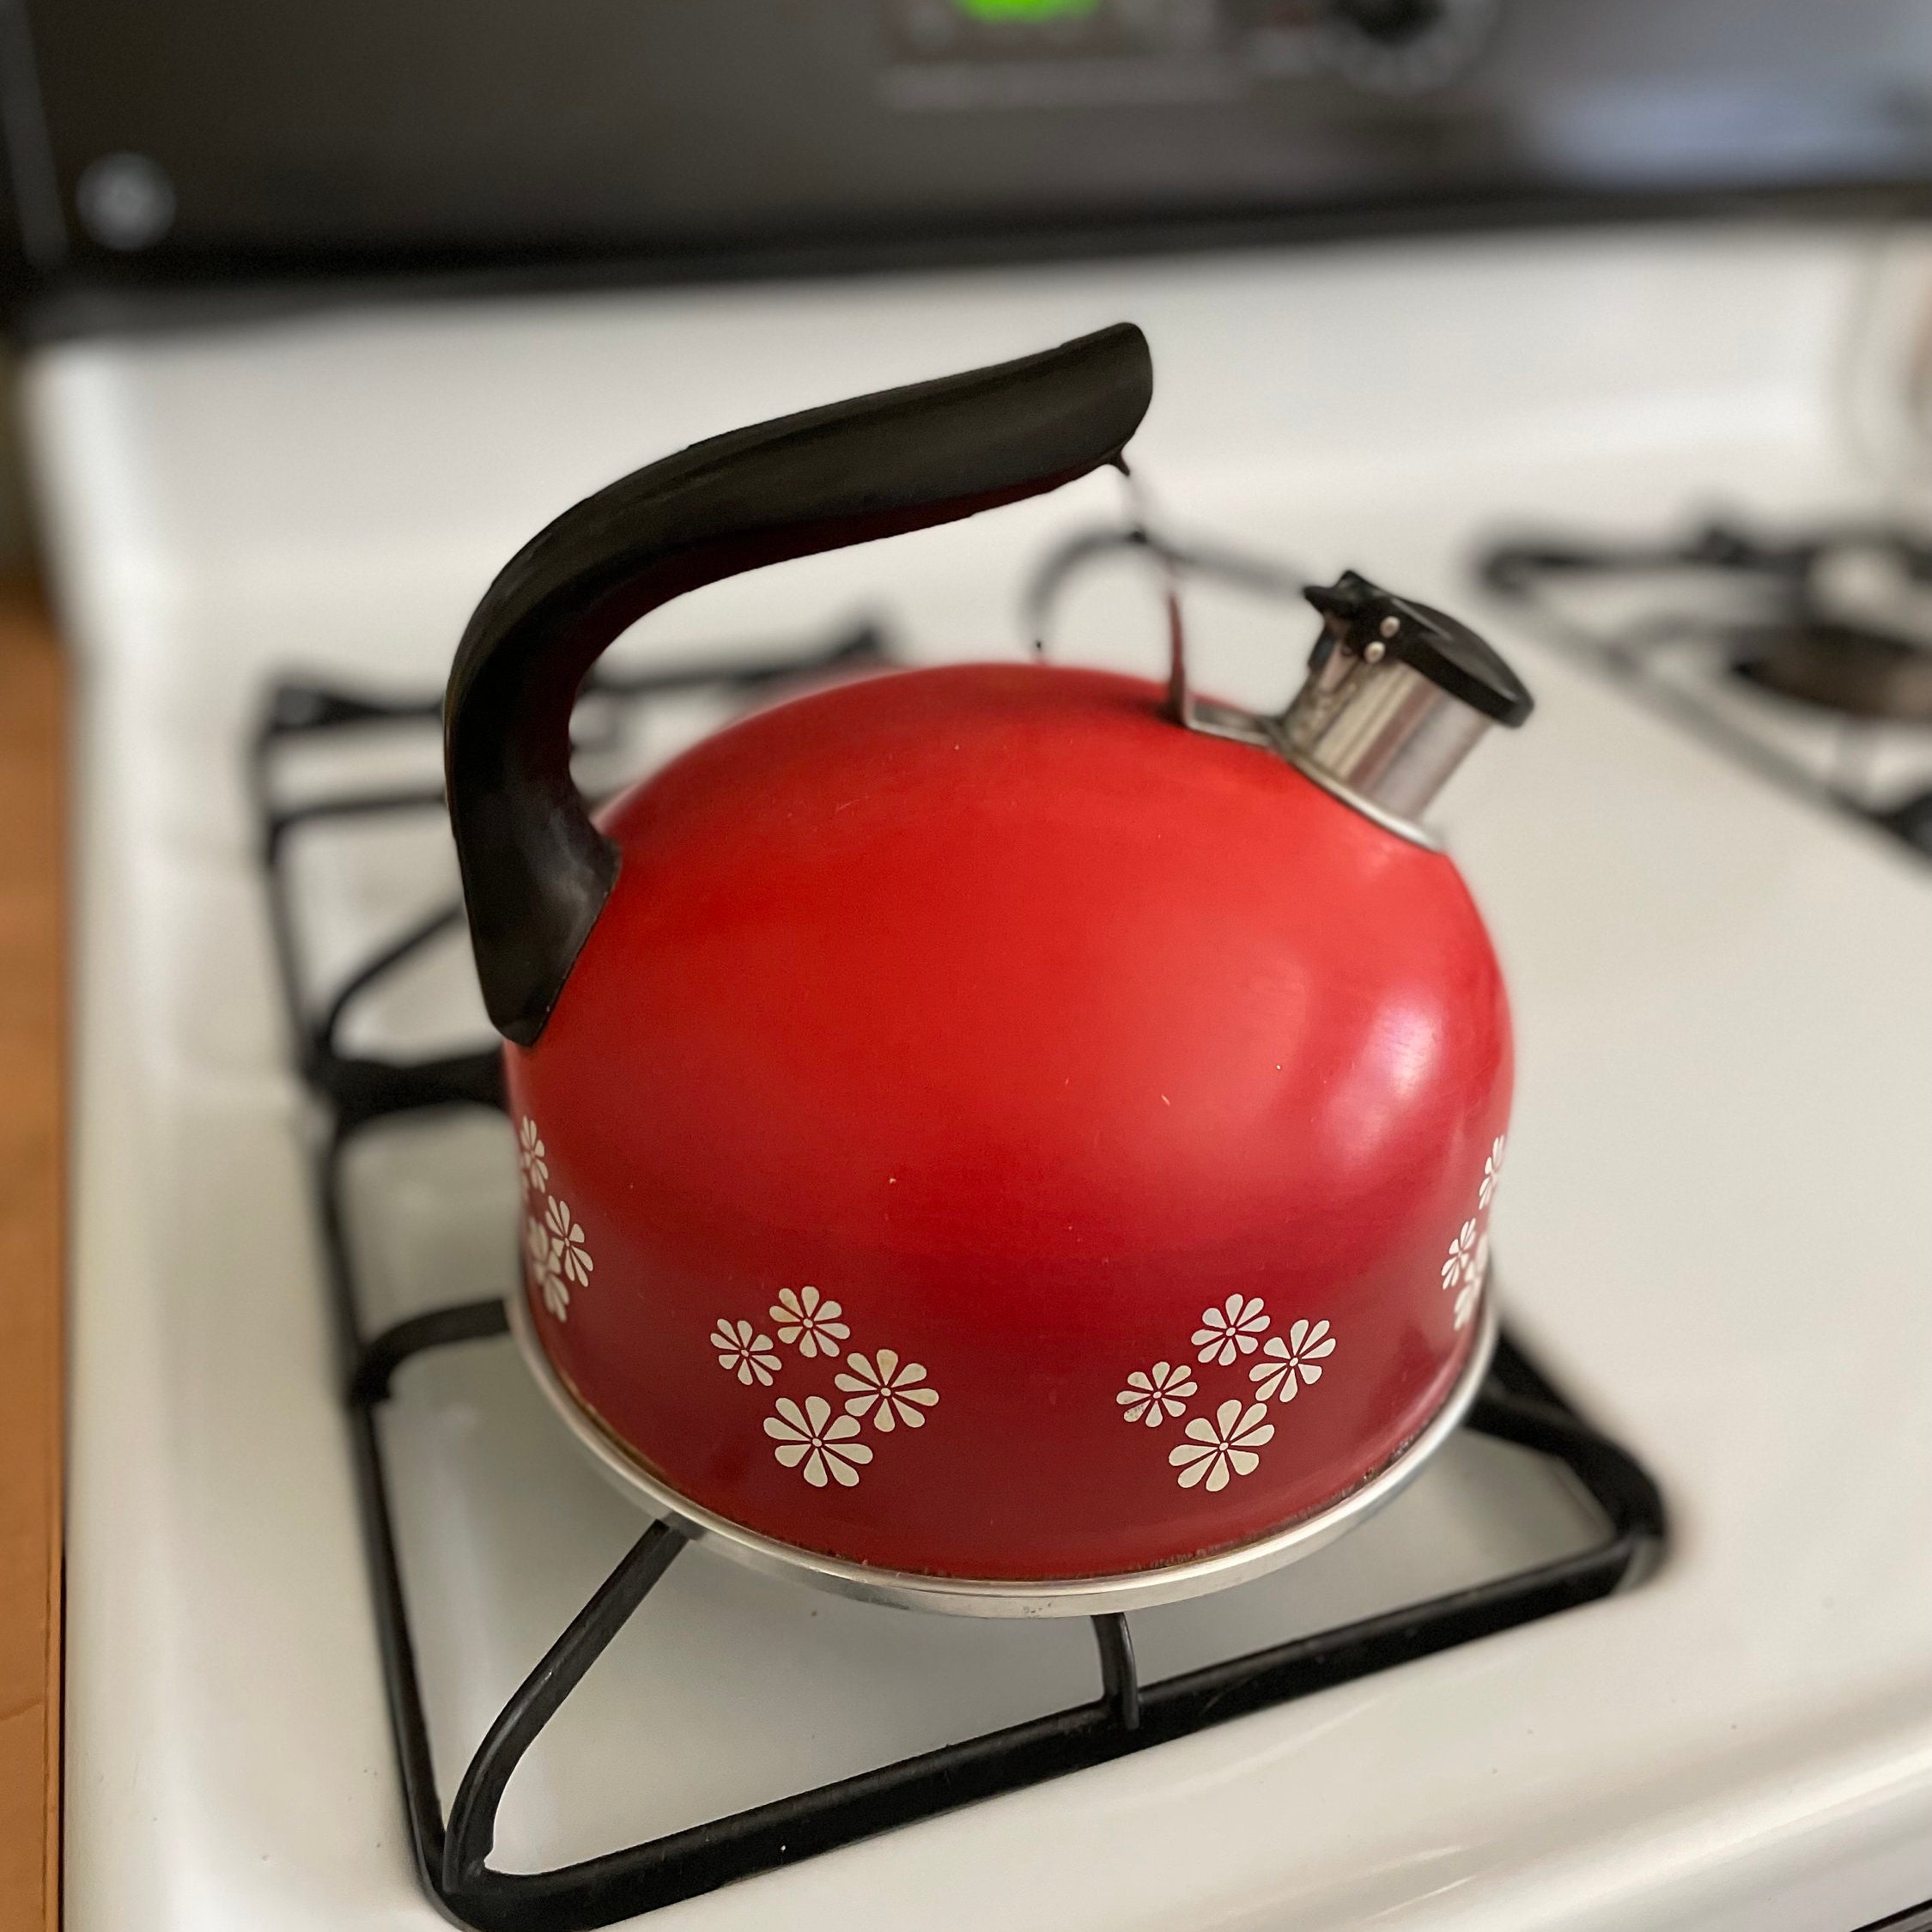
(1714, 1228)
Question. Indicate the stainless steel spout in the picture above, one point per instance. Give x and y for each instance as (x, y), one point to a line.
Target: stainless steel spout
(1396, 697)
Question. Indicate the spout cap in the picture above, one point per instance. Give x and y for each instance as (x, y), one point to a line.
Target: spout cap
(1361, 616)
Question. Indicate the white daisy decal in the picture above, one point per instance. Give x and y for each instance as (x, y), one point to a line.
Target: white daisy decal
(819, 1440)
(809, 1324)
(743, 1352)
(1224, 1446)
(542, 1254)
(566, 1243)
(890, 1391)
(1233, 1328)
(1471, 1290)
(1288, 1364)
(531, 1162)
(1153, 1395)
(1492, 1168)
(1461, 1250)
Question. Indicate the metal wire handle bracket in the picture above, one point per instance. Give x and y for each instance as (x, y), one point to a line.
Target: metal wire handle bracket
(1262, 576)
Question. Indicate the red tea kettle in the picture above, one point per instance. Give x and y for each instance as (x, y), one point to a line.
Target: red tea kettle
(1002, 1137)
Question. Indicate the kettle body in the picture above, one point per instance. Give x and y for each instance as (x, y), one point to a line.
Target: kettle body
(980, 1086)
(983, 1130)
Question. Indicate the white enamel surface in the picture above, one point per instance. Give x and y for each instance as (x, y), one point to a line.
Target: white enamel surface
(1713, 1226)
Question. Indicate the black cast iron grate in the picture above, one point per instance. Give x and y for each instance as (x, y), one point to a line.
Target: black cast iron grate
(453, 1850)
(1785, 617)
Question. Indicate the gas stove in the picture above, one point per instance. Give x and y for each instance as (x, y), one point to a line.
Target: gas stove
(1534, 1514)
(323, 1527)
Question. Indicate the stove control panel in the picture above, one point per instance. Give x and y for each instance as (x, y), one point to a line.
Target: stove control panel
(682, 134)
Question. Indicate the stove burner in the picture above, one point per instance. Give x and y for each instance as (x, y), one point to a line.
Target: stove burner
(1839, 667)
(1831, 629)
(1516, 1406)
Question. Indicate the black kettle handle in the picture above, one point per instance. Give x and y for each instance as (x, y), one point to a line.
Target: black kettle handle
(536, 872)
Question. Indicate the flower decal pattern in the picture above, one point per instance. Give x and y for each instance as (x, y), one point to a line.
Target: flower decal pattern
(1470, 1293)
(818, 1442)
(810, 1433)
(1492, 1170)
(744, 1352)
(567, 1242)
(1151, 1395)
(531, 1162)
(1226, 1447)
(808, 1322)
(1295, 1363)
(1216, 1450)
(1234, 1328)
(891, 1391)
(544, 1275)
(816, 1432)
(1465, 1267)
(556, 1255)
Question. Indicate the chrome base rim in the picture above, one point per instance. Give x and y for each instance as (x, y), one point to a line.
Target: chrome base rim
(1073, 1596)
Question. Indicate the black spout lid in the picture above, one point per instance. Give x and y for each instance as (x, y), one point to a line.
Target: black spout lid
(1449, 653)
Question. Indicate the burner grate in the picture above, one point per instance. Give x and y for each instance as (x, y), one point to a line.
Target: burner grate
(452, 1851)
(1835, 627)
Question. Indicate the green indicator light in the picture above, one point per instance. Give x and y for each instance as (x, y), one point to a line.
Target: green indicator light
(1026, 10)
